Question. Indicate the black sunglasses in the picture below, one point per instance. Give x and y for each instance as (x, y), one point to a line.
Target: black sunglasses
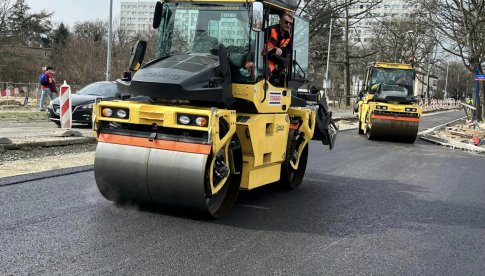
(287, 22)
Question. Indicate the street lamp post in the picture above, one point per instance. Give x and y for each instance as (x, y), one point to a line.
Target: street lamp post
(328, 54)
(446, 80)
(110, 33)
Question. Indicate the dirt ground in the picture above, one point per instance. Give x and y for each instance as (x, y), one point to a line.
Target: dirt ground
(465, 131)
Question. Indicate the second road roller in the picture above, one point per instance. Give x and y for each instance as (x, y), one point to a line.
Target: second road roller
(387, 108)
(205, 118)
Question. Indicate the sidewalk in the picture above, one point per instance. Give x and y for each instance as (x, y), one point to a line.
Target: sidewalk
(22, 135)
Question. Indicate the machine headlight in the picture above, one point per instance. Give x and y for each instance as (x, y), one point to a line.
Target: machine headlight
(184, 119)
(383, 107)
(201, 121)
(121, 113)
(107, 112)
(192, 120)
(411, 109)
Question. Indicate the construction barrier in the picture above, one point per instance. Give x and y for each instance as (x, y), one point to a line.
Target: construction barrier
(65, 106)
(435, 104)
(24, 94)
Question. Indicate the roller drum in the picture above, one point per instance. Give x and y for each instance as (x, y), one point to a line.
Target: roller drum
(394, 130)
(125, 172)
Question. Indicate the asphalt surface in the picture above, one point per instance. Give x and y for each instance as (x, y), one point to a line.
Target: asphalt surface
(366, 207)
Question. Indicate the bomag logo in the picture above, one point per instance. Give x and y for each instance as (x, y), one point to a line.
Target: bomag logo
(162, 76)
(280, 128)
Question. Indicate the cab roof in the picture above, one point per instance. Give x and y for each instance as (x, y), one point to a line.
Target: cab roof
(390, 65)
(286, 5)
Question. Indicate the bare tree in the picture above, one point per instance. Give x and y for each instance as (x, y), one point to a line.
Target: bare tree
(343, 53)
(458, 82)
(20, 32)
(462, 24)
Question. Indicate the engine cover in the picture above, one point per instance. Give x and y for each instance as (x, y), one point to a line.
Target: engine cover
(194, 77)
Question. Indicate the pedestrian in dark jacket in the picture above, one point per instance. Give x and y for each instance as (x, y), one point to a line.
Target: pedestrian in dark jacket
(49, 88)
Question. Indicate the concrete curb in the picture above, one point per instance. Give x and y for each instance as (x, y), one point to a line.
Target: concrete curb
(52, 143)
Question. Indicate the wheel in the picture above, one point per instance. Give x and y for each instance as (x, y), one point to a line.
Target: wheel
(368, 130)
(291, 178)
(368, 134)
(361, 131)
(222, 202)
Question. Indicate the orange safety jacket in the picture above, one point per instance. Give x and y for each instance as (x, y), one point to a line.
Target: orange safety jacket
(276, 39)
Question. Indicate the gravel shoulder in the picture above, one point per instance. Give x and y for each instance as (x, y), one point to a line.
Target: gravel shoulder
(39, 159)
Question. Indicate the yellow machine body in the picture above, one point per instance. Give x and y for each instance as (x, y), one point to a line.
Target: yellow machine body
(198, 135)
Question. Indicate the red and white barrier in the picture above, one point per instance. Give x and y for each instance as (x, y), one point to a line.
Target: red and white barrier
(65, 106)
(11, 91)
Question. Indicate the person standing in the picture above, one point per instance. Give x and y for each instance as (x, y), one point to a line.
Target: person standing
(48, 86)
(53, 84)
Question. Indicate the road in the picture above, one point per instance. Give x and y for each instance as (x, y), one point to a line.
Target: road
(366, 207)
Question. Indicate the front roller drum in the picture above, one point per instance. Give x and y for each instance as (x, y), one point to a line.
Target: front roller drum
(395, 130)
(130, 173)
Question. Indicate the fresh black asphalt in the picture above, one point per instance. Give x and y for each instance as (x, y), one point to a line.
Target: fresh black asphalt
(366, 207)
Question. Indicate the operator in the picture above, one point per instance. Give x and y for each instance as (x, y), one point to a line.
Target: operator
(402, 81)
(278, 48)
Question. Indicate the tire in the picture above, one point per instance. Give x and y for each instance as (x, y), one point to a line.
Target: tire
(223, 202)
(290, 178)
(361, 131)
(368, 134)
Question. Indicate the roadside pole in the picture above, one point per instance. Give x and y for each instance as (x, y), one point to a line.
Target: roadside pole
(65, 106)
(476, 95)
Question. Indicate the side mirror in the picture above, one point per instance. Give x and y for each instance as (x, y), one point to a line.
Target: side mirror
(157, 15)
(257, 17)
(137, 55)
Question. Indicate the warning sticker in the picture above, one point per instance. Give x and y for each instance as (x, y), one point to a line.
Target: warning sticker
(275, 98)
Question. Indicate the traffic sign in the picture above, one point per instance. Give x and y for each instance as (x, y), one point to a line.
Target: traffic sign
(480, 77)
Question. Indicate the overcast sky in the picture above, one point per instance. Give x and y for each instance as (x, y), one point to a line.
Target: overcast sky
(72, 11)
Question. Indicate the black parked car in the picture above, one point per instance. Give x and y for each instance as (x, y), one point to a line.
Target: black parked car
(82, 102)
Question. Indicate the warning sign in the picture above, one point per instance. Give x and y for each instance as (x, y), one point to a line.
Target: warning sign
(274, 98)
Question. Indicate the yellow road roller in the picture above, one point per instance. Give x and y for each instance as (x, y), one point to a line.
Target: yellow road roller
(205, 118)
(387, 108)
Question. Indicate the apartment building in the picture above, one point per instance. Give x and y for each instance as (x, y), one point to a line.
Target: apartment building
(136, 16)
(363, 29)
